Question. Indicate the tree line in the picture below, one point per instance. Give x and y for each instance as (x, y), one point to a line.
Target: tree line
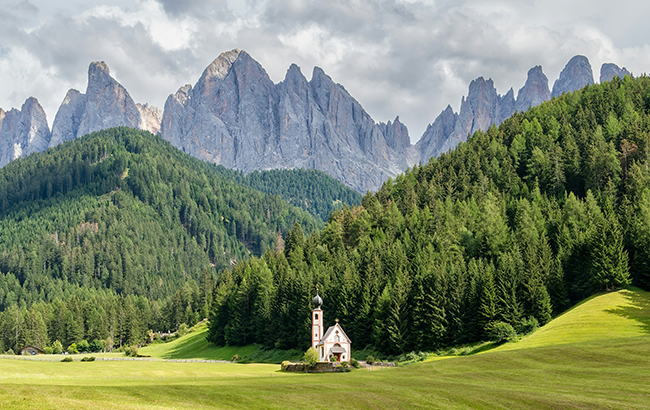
(513, 226)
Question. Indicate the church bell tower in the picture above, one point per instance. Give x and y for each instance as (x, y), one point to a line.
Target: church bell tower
(316, 320)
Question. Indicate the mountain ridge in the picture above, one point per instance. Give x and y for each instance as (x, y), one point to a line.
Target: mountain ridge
(235, 115)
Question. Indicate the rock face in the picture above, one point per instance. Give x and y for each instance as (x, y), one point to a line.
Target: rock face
(535, 91)
(237, 117)
(575, 75)
(430, 145)
(609, 70)
(105, 104)
(484, 107)
(150, 118)
(23, 131)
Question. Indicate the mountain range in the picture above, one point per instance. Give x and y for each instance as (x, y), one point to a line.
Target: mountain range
(237, 117)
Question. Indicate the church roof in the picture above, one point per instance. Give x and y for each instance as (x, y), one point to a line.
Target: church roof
(329, 331)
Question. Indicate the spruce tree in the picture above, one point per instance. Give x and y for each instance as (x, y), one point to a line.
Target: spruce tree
(609, 262)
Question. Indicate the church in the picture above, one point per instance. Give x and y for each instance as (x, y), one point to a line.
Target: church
(332, 345)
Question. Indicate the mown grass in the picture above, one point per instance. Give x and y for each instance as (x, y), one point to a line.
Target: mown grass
(598, 370)
(194, 346)
(621, 314)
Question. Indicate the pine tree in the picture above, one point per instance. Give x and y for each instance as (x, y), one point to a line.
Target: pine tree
(609, 263)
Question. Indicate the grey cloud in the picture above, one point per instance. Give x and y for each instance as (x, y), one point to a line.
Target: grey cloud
(395, 57)
(207, 10)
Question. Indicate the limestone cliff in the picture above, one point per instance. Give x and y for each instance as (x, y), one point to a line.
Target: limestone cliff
(237, 117)
(23, 131)
(105, 104)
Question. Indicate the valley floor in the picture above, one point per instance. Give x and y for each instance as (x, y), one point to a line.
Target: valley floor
(601, 369)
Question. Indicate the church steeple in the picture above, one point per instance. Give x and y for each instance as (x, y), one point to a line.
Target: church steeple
(316, 320)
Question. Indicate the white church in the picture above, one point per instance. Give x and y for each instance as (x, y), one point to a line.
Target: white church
(332, 345)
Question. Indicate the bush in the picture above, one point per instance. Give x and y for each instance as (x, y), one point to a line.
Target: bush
(48, 350)
(311, 357)
(96, 346)
(502, 332)
(57, 347)
(83, 346)
(72, 349)
(528, 326)
(131, 351)
(354, 363)
(182, 330)
(10, 352)
(370, 360)
(87, 359)
(67, 360)
(235, 358)
(284, 365)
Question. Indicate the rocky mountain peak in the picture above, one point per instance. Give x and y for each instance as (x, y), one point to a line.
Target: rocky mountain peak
(610, 70)
(221, 65)
(575, 75)
(98, 67)
(23, 131)
(535, 91)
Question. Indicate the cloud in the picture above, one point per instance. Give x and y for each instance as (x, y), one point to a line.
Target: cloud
(396, 57)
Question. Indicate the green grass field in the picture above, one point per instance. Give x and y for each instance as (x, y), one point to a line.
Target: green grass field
(194, 346)
(595, 356)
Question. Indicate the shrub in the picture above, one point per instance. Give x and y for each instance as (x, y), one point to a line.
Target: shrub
(284, 365)
(96, 346)
(57, 347)
(311, 357)
(67, 360)
(72, 349)
(83, 346)
(10, 352)
(370, 360)
(502, 332)
(354, 363)
(88, 359)
(48, 350)
(235, 358)
(528, 326)
(131, 351)
(182, 330)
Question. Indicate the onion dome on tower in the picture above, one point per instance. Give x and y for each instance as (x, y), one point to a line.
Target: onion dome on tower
(317, 302)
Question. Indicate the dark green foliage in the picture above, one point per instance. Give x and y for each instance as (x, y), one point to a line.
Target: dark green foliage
(528, 326)
(310, 189)
(512, 227)
(500, 332)
(118, 233)
(67, 360)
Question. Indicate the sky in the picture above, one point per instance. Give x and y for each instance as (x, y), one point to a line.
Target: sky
(405, 58)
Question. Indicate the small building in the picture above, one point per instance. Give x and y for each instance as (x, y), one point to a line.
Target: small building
(333, 345)
(31, 350)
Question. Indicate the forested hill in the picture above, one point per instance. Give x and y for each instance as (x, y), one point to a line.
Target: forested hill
(310, 189)
(513, 226)
(124, 210)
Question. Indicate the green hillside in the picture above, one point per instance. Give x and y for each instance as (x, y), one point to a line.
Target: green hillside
(194, 346)
(594, 356)
(118, 232)
(309, 189)
(603, 318)
(511, 228)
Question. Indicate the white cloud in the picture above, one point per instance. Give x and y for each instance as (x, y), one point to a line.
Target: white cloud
(396, 57)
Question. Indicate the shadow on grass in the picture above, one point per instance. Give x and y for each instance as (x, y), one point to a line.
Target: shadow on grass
(638, 308)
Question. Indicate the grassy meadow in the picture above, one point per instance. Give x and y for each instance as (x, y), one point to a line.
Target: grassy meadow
(595, 356)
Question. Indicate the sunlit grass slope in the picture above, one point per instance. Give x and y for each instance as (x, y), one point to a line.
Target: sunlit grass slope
(608, 316)
(595, 356)
(194, 346)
